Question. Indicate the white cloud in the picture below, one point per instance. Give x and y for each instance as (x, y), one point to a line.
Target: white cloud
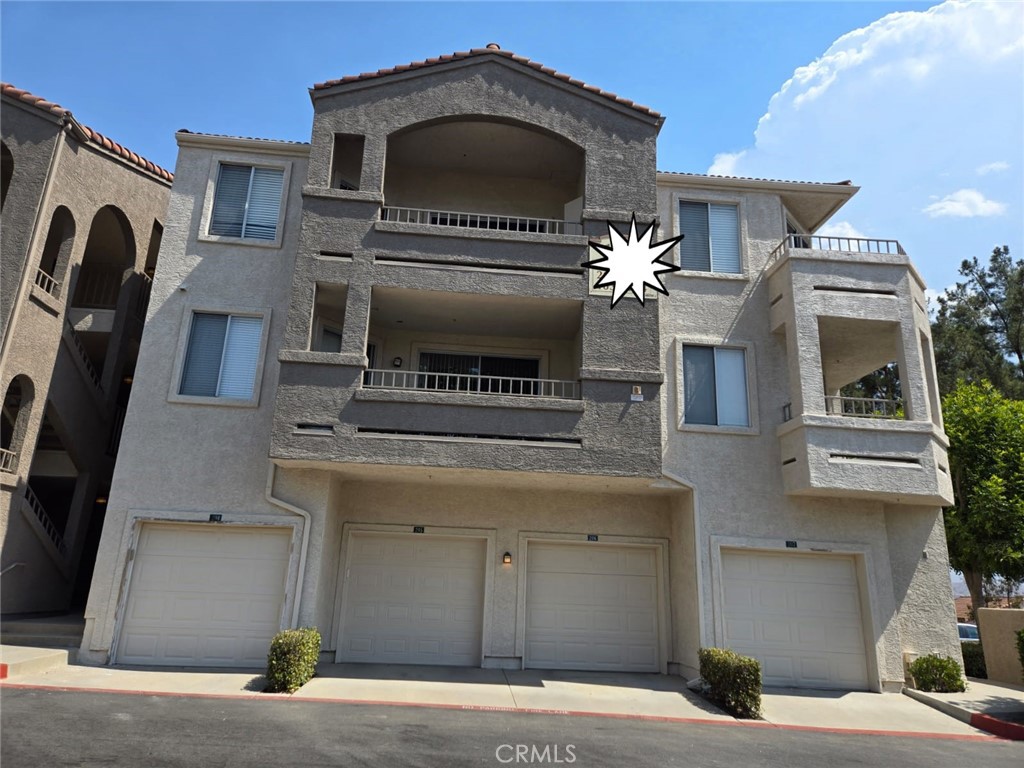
(995, 167)
(840, 229)
(966, 204)
(724, 163)
(903, 107)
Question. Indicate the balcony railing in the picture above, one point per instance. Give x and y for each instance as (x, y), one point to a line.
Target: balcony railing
(47, 283)
(8, 461)
(98, 287)
(461, 382)
(116, 427)
(864, 407)
(481, 221)
(832, 243)
(52, 533)
(90, 369)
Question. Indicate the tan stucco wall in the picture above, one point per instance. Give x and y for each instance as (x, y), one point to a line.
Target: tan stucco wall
(82, 178)
(998, 628)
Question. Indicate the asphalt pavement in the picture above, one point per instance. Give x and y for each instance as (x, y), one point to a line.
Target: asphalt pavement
(74, 728)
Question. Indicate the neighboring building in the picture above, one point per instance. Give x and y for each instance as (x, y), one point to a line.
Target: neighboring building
(379, 395)
(81, 227)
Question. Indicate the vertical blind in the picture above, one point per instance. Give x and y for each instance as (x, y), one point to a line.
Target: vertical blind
(247, 202)
(715, 386)
(711, 237)
(222, 354)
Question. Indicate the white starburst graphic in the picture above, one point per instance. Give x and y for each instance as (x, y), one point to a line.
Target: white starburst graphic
(632, 263)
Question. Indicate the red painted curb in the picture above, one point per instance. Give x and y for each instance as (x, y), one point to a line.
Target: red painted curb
(3, 671)
(256, 696)
(1001, 728)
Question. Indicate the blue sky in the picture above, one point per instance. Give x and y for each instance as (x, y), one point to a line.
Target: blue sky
(922, 104)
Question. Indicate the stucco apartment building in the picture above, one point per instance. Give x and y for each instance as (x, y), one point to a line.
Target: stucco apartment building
(380, 395)
(81, 226)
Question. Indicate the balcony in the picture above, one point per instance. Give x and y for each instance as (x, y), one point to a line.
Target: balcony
(481, 221)
(470, 383)
(846, 245)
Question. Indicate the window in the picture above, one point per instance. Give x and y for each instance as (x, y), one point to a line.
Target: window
(715, 386)
(330, 340)
(478, 373)
(247, 202)
(222, 356)
(711, 240)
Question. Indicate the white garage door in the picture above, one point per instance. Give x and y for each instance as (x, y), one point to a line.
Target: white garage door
(204, 595)
(591, 606)
(413, 599)
(799, 615)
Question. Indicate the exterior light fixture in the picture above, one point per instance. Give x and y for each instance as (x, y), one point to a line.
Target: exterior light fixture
(506, 559)
(101, 499)
(397, 362)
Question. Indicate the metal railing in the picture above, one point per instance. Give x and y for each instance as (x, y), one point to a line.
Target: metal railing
(98, 287)
(462, 382)
(142, 300)
(480, 221)
(8, 461)
(863, 407)
(834, 243)
(89, 367)
(47, 283)
(44, 520)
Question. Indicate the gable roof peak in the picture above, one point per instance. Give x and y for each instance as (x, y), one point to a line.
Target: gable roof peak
(492, 49)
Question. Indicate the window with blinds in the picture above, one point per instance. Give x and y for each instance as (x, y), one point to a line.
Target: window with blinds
(711, 240)
(247, 202)
(222, 355)
(715, 386)
(478, 373)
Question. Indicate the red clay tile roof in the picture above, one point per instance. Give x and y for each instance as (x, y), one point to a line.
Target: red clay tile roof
(94, 136)
(250, 138)
(492, 49)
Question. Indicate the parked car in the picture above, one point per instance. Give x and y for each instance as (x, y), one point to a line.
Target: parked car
(968, 633)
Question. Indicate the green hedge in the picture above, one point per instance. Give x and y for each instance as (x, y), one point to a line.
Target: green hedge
(938, 674)
(974, 660)
(733, 681)
(292, 660)
(1020, 650)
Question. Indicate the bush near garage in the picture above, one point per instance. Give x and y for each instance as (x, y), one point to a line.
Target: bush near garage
(1020, 650)
(974, 660)
(937, 674)
(292, 660)
(733, 681)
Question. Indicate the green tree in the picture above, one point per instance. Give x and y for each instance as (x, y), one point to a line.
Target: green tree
(978, 330)
(985, 525)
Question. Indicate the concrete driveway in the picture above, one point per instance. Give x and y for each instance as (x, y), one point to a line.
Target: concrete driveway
(616, 695)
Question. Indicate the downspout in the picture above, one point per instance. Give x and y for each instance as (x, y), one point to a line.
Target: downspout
(306, 525)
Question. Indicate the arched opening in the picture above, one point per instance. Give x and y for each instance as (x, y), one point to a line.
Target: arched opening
(109, 251)
(57, 249)
(517, 176)
(154, 249)
(6, 172)
(17, 408)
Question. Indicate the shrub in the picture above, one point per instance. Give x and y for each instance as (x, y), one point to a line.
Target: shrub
(1020, 650)
(292, 660)
(938, 674)
(974, 660)
(734, 681)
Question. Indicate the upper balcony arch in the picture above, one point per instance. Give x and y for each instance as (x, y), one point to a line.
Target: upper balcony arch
(6, 172)
(60, 239)
(110, 249)
(485, 165)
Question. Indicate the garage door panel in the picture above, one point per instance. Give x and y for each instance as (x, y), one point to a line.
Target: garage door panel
(185, 607)
(799, 615)
(414, 600)
(591, 607)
